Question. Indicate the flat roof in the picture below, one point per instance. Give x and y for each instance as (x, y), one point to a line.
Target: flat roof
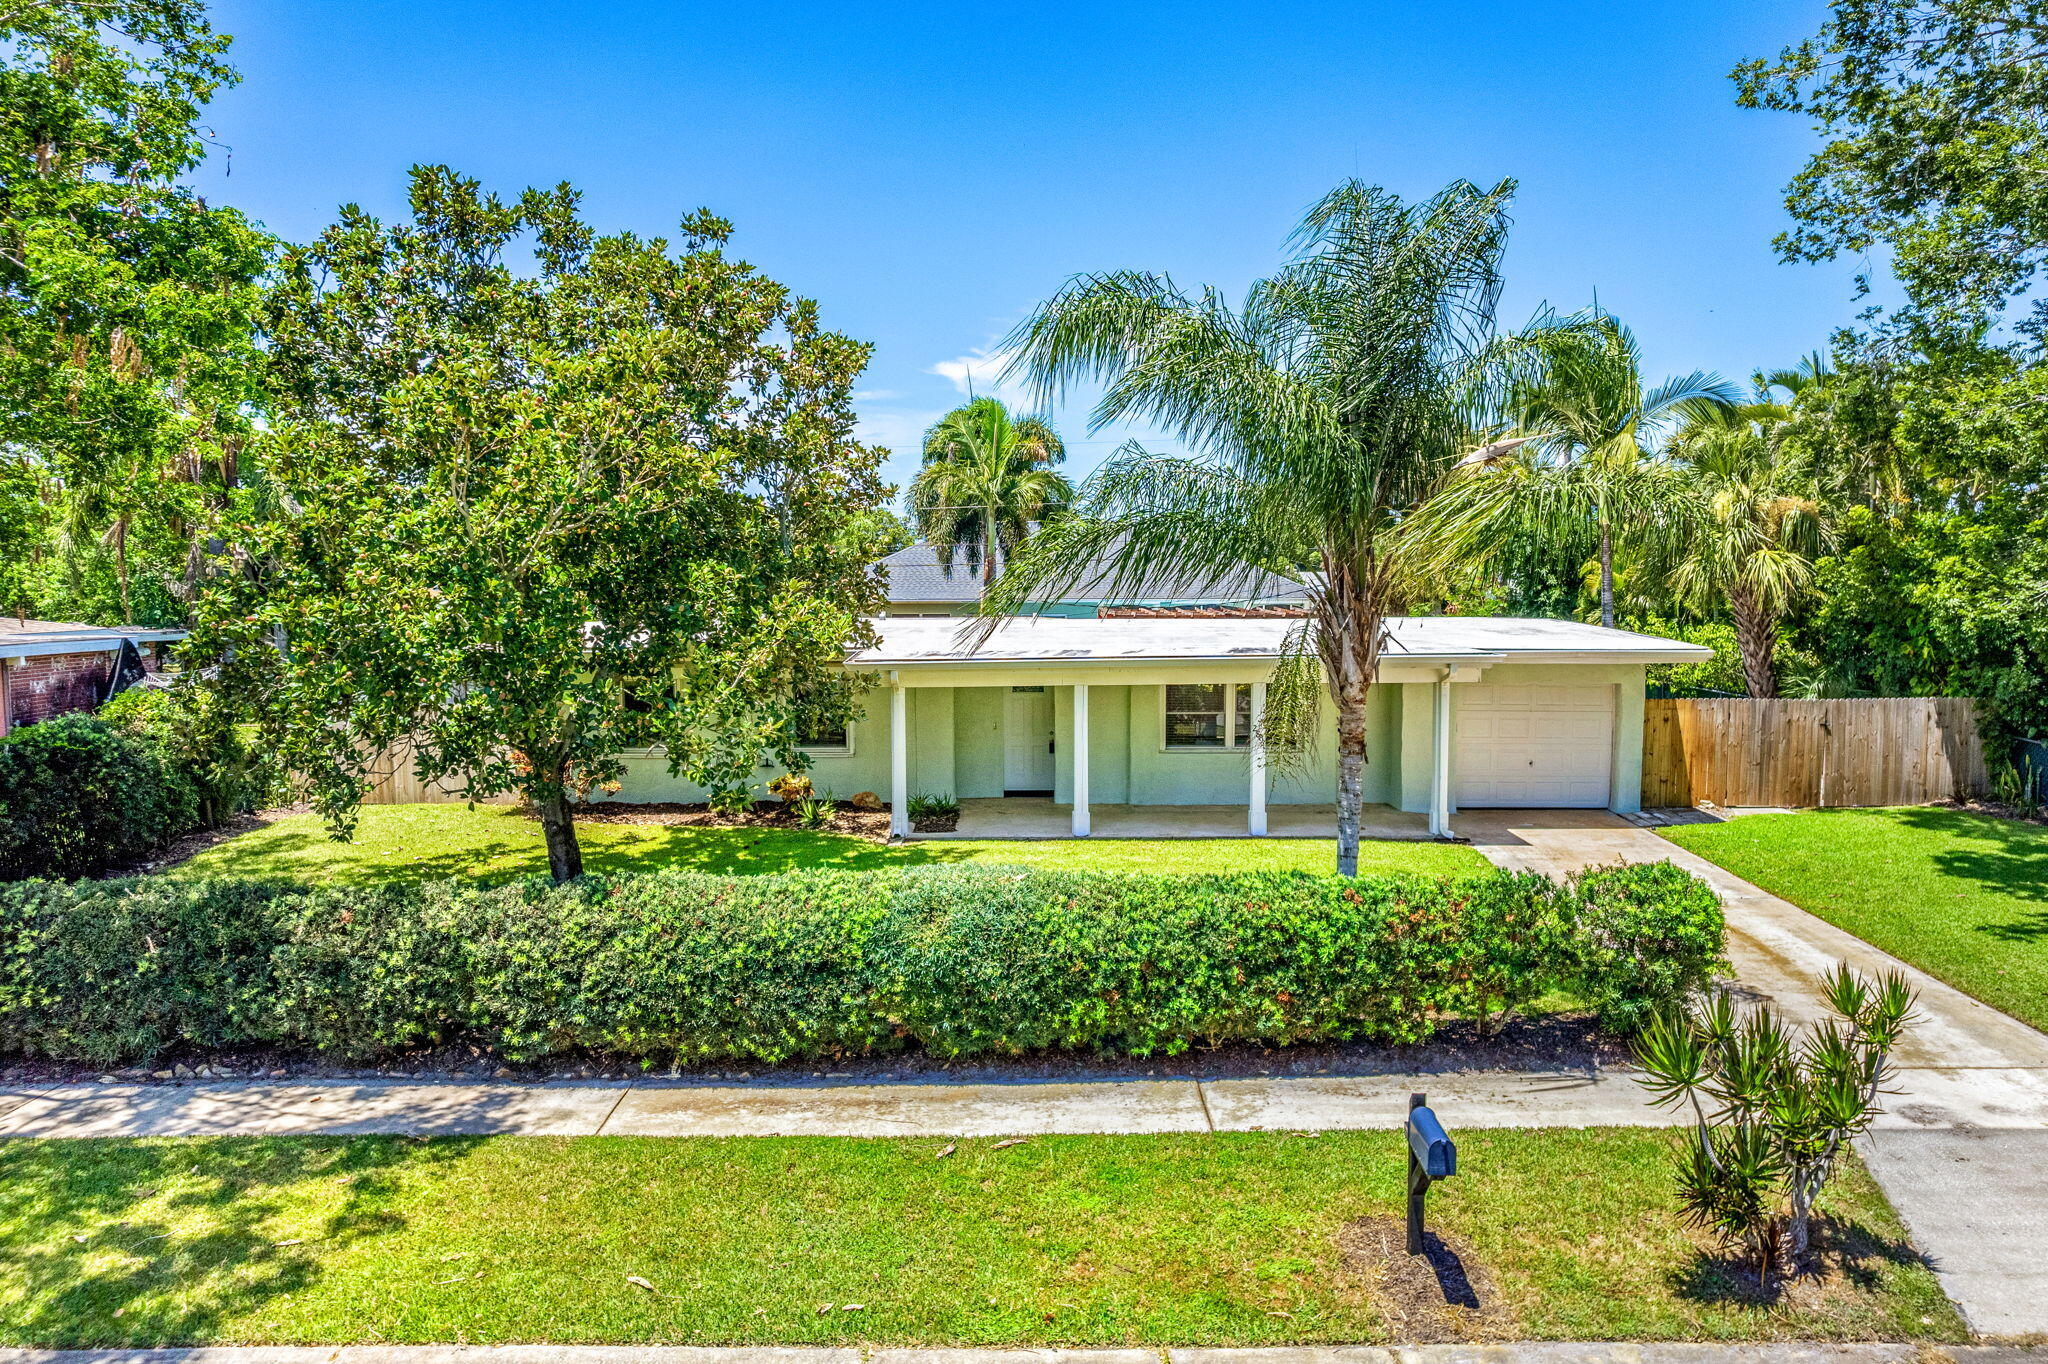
(916, 577)
(1048, 639)
(40, 638)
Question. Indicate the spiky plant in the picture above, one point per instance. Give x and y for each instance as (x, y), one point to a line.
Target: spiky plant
(1320, 412)
(1772, 1114)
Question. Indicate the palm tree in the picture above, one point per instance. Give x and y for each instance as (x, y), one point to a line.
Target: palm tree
(1570, 454)
(1320, 411)
(987, 479)
(1746, 524)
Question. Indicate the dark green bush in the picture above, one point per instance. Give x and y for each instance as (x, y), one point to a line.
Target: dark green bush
(819, 963)
(78, 796)
(202, 748)
(1650, 935)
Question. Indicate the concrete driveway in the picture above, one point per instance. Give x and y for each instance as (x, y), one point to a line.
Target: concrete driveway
(1968, 1165)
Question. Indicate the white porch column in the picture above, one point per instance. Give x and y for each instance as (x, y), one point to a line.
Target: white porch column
(1255, 821)
(1081, 824)
(899, 762)
(1440, 761)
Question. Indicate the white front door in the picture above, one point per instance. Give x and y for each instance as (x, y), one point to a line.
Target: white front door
(1027, 739)
(1532, 746)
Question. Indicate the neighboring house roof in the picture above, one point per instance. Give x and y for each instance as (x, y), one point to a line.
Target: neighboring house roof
(42, 638)
(1047, 639)
(915, 576)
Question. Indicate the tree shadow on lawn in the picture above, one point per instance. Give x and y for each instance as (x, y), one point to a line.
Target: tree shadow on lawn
(1846, 1257)
(77, 1201)
(2004, 857)
(754, 851)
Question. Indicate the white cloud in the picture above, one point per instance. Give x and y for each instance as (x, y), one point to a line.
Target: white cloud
(979, 374)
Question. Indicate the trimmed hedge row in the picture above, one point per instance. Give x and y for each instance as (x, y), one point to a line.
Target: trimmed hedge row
(960, 960)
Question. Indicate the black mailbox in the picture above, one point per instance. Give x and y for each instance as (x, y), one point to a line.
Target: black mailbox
(1433, 1149)
(1431, 1156)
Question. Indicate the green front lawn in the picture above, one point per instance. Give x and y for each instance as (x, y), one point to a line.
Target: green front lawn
(1222, 1240)
(497, 842)
(1964, 897)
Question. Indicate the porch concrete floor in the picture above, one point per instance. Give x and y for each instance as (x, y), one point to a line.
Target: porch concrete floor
(1035, 817)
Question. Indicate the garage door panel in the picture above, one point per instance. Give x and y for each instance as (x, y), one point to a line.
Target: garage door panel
(1527, 745)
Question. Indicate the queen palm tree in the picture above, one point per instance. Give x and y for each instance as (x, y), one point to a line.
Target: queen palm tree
(1319, 412)
(987, 479)
(1569, 456)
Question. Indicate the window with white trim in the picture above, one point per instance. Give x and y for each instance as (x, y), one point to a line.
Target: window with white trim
(1206, 717)
(833, 742)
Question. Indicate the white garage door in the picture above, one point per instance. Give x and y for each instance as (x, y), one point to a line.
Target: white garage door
(1524, 746)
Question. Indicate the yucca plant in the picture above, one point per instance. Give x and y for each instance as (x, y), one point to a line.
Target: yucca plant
(1771, 1113)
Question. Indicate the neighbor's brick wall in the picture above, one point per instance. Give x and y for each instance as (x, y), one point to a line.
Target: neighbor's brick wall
(42, 687)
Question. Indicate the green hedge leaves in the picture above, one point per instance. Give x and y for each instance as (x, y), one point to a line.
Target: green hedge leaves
(962, 961)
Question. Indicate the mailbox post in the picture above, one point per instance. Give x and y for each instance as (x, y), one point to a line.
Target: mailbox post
(1431, 1156)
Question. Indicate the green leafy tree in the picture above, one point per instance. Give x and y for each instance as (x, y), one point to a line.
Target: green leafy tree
(530, 519)
(126, 352)
(988, 478)
(1321, 411)
(1935, 115)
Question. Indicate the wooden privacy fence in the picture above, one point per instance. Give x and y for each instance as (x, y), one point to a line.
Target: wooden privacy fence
(1869, 751)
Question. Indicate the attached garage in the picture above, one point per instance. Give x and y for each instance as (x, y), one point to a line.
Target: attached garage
(1529, 745)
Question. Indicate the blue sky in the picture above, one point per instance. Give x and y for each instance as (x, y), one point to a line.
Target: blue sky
(930, 172)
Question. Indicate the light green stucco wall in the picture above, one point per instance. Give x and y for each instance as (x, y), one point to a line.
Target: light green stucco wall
(956, 747)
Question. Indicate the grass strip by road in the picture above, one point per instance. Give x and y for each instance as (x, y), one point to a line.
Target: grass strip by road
(1963, 897)
(498, 843)
(1228, 1239)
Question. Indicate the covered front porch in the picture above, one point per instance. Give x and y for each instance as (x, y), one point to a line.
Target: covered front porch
(1041, 817)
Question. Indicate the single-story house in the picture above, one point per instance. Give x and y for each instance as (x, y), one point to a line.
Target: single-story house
(49, 668)
(1160, 707)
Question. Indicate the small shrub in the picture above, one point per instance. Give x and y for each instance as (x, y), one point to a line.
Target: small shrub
(202, 747)
(816, 812)
(790, 787)
(78, 796)
(1772, 1116)
(934, 814)
(1651, 938)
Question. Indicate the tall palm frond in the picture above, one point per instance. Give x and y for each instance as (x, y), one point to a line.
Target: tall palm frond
(1319, 413)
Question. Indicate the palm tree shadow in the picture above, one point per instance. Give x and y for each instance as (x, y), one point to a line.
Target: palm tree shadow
(90, 1273)
(1846, 1252)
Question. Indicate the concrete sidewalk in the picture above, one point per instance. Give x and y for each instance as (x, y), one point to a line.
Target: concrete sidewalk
(1927, 1099)
(1519, 1352)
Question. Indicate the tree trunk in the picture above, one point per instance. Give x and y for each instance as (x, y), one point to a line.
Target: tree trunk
(565, 856)
(1606, 574)
(1350, 772)
(121, 569)
(1755, 639)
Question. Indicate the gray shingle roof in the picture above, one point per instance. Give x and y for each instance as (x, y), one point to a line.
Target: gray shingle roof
(915, 576)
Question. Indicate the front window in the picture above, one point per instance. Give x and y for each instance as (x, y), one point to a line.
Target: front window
(1207, 717)
(832, 739)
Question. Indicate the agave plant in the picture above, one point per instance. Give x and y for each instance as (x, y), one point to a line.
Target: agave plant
(1771, 1113)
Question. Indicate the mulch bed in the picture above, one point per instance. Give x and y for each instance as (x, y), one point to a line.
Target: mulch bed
(1996, 809)
(872, 825)
(192, 844)
(1547, 1044)
(1444, 1296)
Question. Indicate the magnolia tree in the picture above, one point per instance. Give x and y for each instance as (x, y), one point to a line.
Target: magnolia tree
(531, 496)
